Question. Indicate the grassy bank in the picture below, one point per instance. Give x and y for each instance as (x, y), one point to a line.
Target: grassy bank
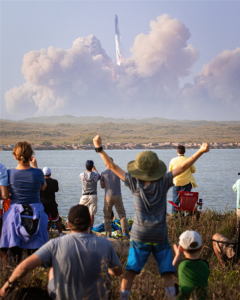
(223, 283)
(66, 133)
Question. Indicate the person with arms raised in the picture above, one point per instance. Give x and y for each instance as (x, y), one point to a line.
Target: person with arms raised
(184, 181)
(89, 188)
(148, 181)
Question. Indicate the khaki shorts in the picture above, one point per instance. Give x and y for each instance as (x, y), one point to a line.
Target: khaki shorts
(225, 249)
(91, 202)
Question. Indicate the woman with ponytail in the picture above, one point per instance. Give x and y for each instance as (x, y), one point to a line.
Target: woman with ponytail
(25, 223)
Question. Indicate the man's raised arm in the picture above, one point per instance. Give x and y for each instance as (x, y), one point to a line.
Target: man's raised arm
(191, 160)
(97, 141)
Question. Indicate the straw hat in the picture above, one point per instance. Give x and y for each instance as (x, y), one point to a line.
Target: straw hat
(147, 167)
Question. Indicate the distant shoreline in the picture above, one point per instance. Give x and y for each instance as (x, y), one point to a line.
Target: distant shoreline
(125, 146)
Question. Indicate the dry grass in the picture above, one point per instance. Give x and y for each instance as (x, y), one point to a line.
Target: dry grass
(65, 133)
(223, 283)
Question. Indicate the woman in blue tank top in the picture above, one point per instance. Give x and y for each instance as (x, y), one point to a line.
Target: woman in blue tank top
(25, 223)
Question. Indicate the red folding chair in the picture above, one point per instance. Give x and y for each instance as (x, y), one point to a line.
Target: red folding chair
(188, 202)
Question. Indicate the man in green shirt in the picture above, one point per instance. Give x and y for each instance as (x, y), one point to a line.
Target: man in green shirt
(193, 272)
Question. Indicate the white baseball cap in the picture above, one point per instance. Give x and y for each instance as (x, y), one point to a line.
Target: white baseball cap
(46, 171)
(190, 240)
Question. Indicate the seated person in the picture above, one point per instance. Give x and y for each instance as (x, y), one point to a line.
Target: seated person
(223, 250)
(115, 225)
(77, 261)
(193, 272)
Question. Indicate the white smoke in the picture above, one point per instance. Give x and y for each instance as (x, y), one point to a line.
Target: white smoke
(83, 80)
(216, 91)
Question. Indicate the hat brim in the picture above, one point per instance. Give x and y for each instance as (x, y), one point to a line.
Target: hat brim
(144, 176)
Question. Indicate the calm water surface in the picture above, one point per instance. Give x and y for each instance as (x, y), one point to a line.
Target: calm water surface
(216, 172)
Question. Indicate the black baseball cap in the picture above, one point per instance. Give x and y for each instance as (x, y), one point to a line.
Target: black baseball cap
(79, 215)
(89, 163)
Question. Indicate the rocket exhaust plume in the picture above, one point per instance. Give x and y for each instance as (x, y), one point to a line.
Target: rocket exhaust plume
(119, 50)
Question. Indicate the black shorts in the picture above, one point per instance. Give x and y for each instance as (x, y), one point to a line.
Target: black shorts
(52, 209)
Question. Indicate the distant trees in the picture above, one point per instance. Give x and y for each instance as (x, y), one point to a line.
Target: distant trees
(87, 141)
(47, 143)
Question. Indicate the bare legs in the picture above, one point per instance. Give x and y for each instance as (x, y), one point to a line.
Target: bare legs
(59, 226)
(129, 276)
(92, 220)
(127, 280)
(219, 256)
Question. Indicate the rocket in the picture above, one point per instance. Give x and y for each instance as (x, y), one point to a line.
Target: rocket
(119, 55)
(116, 25)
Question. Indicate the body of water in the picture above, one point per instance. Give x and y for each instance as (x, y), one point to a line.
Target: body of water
(216, 172)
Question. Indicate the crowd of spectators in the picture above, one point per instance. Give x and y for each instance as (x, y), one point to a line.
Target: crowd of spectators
(79, 260)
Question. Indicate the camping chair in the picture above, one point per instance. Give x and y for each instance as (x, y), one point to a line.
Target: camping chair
(188, 202)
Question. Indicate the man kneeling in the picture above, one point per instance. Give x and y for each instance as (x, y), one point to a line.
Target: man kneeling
(77, 260)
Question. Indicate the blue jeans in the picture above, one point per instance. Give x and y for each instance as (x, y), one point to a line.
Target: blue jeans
(176, 189)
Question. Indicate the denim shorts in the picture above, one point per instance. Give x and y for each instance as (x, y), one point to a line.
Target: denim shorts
(140, 252)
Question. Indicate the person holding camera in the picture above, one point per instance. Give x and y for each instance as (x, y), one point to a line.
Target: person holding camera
(89, 188)
(25, 223)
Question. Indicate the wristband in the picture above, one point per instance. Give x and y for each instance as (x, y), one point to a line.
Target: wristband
(99, 149)
(10, 284)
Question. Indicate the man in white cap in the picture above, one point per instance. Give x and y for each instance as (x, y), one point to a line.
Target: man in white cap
(48, 199)
(193, 272)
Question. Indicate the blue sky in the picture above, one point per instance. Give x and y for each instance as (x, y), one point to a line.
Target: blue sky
(27, 26)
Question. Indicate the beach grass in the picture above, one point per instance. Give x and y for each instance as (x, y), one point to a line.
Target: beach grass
(64, 133)
(224, 283)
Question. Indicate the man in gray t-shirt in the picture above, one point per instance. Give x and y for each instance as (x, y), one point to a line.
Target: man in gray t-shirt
(77, 260)
(89, 188)
(112, 185)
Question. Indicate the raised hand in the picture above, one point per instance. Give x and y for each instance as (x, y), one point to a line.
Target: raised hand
(97, 141)
(205, 147)
(33, 162)
(177, 250)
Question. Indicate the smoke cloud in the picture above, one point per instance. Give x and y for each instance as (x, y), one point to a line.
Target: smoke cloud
(83, 80)
(216, 91)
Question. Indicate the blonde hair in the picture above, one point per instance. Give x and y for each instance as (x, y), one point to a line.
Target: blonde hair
(23, 151)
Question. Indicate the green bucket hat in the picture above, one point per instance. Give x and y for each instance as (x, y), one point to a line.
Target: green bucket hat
(147, 167)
